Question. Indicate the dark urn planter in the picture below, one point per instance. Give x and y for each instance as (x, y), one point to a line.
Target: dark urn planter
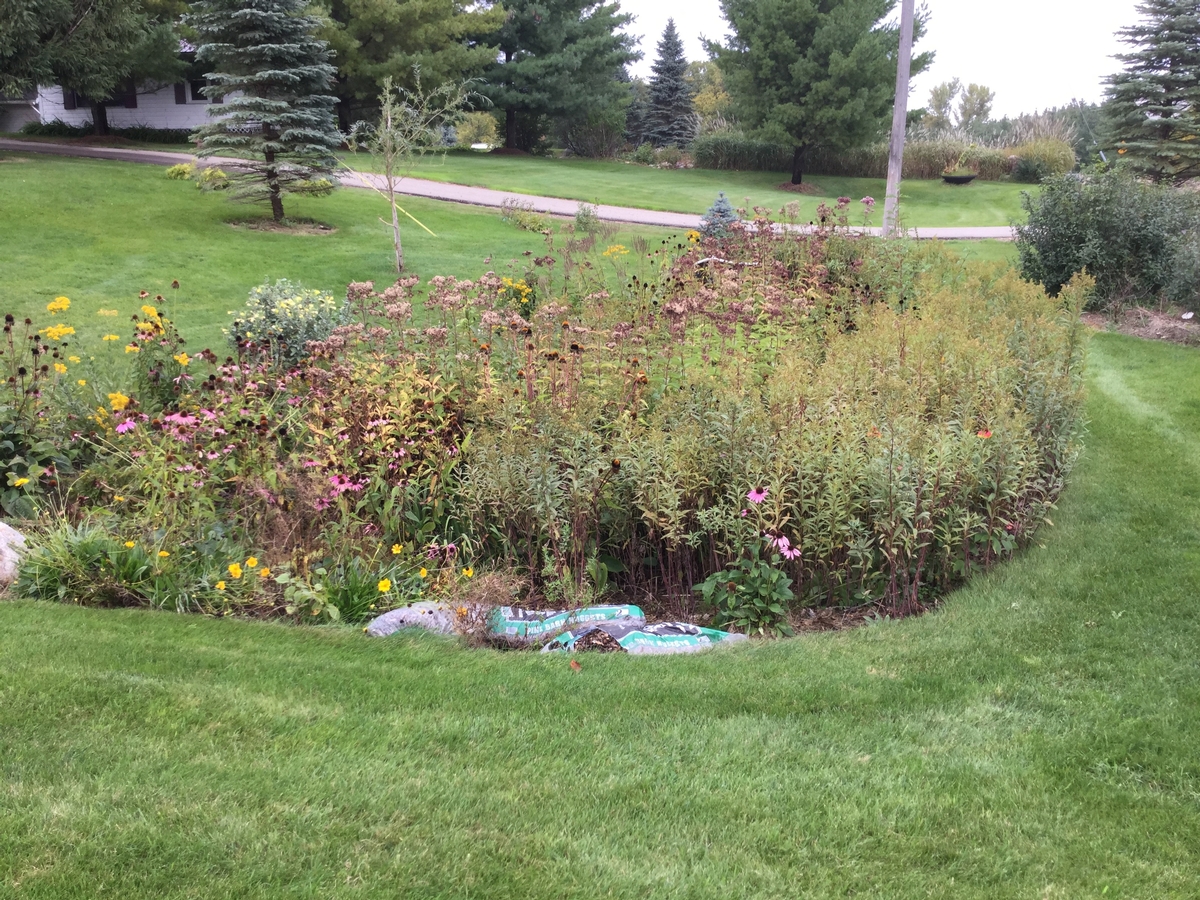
(959, 179)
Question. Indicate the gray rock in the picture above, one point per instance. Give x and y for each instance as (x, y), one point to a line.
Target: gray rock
(12, 545)
(436, 617)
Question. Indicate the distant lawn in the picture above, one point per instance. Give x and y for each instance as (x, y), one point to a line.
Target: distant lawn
(100, 231)
(986, 251)
(1037, 737)
(925, 203)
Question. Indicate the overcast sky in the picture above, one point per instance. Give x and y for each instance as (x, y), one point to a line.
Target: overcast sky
(1032, 53)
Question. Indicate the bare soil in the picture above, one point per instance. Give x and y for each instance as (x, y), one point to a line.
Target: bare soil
(289, 226)
(806, 188)
(1149, 324)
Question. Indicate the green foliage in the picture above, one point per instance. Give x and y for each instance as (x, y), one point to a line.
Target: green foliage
(275, 79)
(143, 133)
(89, 46)
(522, 214)
(750, 596)
(732, 150)
(812, 74)
(670, 118)
(1041, 159)
(720, 218)
(476, 128)
(1136, 239)
(1153, 105)
(644, 154)
(710, 101)
(374, 41)
(280, 320)
(586, 219)
(57, 128)
(559, 58)
(208, 178)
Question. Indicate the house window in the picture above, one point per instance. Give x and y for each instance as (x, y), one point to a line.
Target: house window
(197, 86)
(180, 93)
(70, 99)
(131, 95)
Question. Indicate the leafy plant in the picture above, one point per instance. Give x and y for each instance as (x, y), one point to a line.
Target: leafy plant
(280, 320)
(750, 596)
(522, 214)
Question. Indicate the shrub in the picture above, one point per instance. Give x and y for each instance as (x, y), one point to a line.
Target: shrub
(281, 319)
(720, 218)
(522, 214)
(731, 150)
(669, 157)
(644, 154)
(587, 221)
(477, 128)
(752, 595)
(1041, 159)
(57, 128)
(1135, 239)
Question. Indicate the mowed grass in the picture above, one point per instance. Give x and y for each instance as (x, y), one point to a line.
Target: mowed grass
(924, 203)
(99, 232)
(1036, 737)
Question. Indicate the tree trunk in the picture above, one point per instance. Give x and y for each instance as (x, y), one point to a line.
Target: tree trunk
(273, 187)
(99, 119)
(510, 129)
(798, 165)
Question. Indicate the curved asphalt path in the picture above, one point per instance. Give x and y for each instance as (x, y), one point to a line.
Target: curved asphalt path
(457, 193)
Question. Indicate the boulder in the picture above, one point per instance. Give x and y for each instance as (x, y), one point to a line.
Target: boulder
(12, 545)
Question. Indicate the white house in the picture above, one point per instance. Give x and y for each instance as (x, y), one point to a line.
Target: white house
(152, 105)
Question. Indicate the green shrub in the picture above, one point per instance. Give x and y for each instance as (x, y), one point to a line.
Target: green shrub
(1136, 239)
(522, 214)
(57, 128)
(1041, 159)
(281, 319)
(720, 218)
(752, 595)
(586, 219)
(144, 133)
(644, 154)
(731, 150)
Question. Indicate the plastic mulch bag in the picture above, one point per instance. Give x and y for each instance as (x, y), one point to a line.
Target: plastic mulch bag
(640, 638)
(531, 624)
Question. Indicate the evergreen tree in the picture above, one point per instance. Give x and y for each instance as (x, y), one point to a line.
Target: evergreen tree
(560, 58)
(377, 39)
(720, 218)
(814, 73)
(275, 77)
(671, 118)
(638, 112)
(1154, 105)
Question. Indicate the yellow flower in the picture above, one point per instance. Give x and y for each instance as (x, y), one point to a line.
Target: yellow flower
(384, 585)
(235, 570)
(163, 554)
(462, 612)
(150, 312)
(119, 499)
(74, 359)
(183, 359)
(397, 549)
(220, 585)
(21, 482)
(60, 368)
(57, 332)
(252, 562)
(59, 304)
(616, 250)
(110, 337)
(424, 573)
(132, 348)
(130, 544)
(469, 572)
(264, 572)
(81, 382)
(118, 401)
(693, 237)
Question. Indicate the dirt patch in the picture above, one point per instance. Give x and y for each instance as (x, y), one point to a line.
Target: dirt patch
(508, 151)
(14, 159)
(807, 188)
(288, 226)
(1149, 324)
(833, 618)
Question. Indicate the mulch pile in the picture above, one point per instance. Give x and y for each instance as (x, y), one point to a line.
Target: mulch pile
(807, 188)
(1149, 324)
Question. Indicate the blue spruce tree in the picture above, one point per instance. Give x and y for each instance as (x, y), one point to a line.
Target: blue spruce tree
(719, 219)
(276, 81)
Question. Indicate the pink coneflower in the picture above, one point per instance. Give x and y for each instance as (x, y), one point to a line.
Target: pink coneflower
(125, 426)
(757, 495)
(784, 546)
(984, 433)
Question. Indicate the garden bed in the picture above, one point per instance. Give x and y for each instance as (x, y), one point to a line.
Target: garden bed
(740, 425)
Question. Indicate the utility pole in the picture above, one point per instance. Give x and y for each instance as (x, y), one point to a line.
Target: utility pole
(899, 120)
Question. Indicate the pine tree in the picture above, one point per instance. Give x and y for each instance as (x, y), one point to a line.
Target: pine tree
(637, 113)
(1154, 104)
(560, 58)
(275, 79)
(815, 73)
(720, 218)
(671, 118)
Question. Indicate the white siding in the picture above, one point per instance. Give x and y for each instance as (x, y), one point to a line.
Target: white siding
(155, 108)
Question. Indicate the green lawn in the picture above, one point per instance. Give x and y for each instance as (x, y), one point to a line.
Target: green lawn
(925, 203)
(1035, 738)
(100, 231)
